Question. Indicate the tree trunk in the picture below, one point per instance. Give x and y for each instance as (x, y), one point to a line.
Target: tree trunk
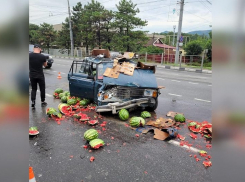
(99, 36)
(127, 39)
(48, 48)
(108, 39)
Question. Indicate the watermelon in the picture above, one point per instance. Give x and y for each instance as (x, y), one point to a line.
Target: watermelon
(71, 101)
(96, 143)
(78, 99)
(66, 93)
(84, 102)
(179, 118)
(123, 114)
(145, 114)
(91, 134)
(64, 108)
(64, 99)
(61, 95)
(33, 131)
(50, 111)
(93, 122)
(137, 121)
(58, 90)
(193, 123)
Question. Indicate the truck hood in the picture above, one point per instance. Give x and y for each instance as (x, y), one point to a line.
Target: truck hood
(141, 78)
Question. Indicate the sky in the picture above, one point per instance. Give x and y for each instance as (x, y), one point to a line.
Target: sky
(161, 15)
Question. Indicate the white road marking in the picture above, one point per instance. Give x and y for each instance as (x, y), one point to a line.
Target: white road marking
(63, 73)
(48, 95)
(175, 95)
(176, 143)
(175, 81)
(193, 83)
(54, 71)
(202, 100)
(210, 85)
(161, 78)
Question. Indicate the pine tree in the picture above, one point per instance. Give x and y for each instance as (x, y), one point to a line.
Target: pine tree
(127, 39)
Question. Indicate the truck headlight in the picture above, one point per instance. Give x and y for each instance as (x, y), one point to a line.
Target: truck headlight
(150, 93)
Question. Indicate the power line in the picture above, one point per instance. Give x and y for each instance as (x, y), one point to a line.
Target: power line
(197, 16)
(209, 2)
(150, 2)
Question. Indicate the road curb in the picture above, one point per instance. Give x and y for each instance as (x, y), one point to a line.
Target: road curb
(186, 69)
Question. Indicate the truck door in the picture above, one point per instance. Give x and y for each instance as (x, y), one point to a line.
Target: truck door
(81, 80)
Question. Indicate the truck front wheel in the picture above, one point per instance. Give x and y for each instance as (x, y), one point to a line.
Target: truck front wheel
(152, 108)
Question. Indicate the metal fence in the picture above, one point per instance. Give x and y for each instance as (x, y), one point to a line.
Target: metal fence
(79, 53)
(195, 61)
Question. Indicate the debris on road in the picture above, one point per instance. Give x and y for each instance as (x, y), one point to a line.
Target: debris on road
(91, 158)
(160, 135)
(33, 131)
(172, 114)
(161, 123)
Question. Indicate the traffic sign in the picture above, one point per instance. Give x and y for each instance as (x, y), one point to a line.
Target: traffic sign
(181, 39)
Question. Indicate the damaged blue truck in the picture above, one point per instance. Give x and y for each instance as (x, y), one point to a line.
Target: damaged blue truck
(87, 80)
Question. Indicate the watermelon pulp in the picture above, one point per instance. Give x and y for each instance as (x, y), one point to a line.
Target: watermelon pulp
(93, 122)
(98, 146)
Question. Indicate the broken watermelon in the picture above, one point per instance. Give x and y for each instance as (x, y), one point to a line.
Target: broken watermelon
(81, 116)
(33, 131)
(64, 108)
(93, 122)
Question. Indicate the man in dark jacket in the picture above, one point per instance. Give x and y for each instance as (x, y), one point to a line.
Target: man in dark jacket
(36, 63)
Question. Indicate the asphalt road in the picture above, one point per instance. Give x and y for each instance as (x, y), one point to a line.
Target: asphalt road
(57, 154)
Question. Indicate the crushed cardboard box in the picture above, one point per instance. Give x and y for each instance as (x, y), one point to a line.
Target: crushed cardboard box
(161, 123)
(126, 68)
(160, 135)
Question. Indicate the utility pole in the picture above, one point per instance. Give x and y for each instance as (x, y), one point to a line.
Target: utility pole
(71, 35)
(179, 31)
(174, 34)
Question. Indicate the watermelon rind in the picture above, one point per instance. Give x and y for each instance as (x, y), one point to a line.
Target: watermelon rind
(193, 123)
(50, 111)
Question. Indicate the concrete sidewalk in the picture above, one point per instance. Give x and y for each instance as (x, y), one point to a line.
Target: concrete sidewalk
(159, 66)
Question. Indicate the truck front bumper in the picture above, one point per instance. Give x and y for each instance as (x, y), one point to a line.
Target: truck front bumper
(126, 105)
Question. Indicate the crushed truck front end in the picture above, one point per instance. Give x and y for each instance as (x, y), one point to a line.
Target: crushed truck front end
(128, 91)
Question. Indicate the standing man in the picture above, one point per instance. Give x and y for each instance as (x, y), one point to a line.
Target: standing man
(36, 63)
